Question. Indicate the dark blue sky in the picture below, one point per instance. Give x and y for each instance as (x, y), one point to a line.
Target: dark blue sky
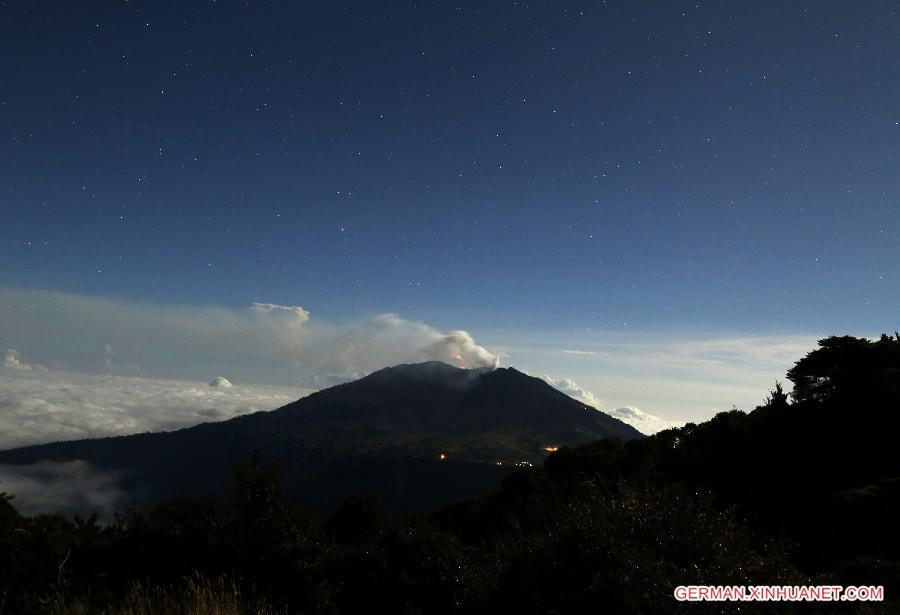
(523, 165)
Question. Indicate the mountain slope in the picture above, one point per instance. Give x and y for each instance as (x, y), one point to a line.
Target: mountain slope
(382, 433)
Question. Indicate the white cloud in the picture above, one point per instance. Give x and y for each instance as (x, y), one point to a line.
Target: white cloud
(12, 360)
(571, 388)
(39, 407)
(644, 422)
(221, 382)
(71, 487)
(679, 376)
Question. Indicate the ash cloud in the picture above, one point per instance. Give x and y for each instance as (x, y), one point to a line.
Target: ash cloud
(294, 313)
(264, 343)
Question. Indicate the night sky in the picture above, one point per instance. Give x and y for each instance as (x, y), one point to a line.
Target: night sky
(520, 170)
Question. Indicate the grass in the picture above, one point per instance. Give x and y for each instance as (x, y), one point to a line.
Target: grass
(197, 595)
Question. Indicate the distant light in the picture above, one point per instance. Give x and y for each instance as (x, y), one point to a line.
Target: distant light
(443, 456)
(551, 449)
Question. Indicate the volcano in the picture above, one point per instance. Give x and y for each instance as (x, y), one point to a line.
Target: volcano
(419, 435)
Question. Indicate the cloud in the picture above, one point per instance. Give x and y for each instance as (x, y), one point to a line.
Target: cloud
(39, 407)
(266, 343)
(682, 376)
(722, 359)
(644, 422)
(115, 367)
(387, 339)
(295, 313)
(221, 382)
(119, 367)
(571, 388)
(69, 487)
(12, 360)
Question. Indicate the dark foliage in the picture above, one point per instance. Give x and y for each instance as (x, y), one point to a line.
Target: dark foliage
(822, 471)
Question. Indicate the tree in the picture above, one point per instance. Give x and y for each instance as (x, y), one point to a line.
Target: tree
(845, 367)
(267, 519)
(8, 513)
(777, 398)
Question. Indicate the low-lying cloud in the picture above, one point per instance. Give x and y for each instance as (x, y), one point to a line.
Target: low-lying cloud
(49, 406)
(68, 487)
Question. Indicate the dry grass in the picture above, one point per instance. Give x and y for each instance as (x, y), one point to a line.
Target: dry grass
(196, 596)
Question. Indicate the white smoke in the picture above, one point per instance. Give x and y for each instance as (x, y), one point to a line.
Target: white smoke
(295, 314)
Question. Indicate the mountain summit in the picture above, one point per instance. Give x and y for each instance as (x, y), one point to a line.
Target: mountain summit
(481, 414)
(389, 431)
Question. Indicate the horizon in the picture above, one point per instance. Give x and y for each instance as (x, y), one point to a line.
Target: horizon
(657, 207)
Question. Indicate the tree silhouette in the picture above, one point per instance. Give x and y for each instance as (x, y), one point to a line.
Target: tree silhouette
(777, 398)
(845, 367)
(8, 512)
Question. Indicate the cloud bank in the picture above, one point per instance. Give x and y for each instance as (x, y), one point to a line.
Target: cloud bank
(48, 406)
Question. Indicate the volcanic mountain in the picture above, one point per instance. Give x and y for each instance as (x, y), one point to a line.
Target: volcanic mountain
(419, 435)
